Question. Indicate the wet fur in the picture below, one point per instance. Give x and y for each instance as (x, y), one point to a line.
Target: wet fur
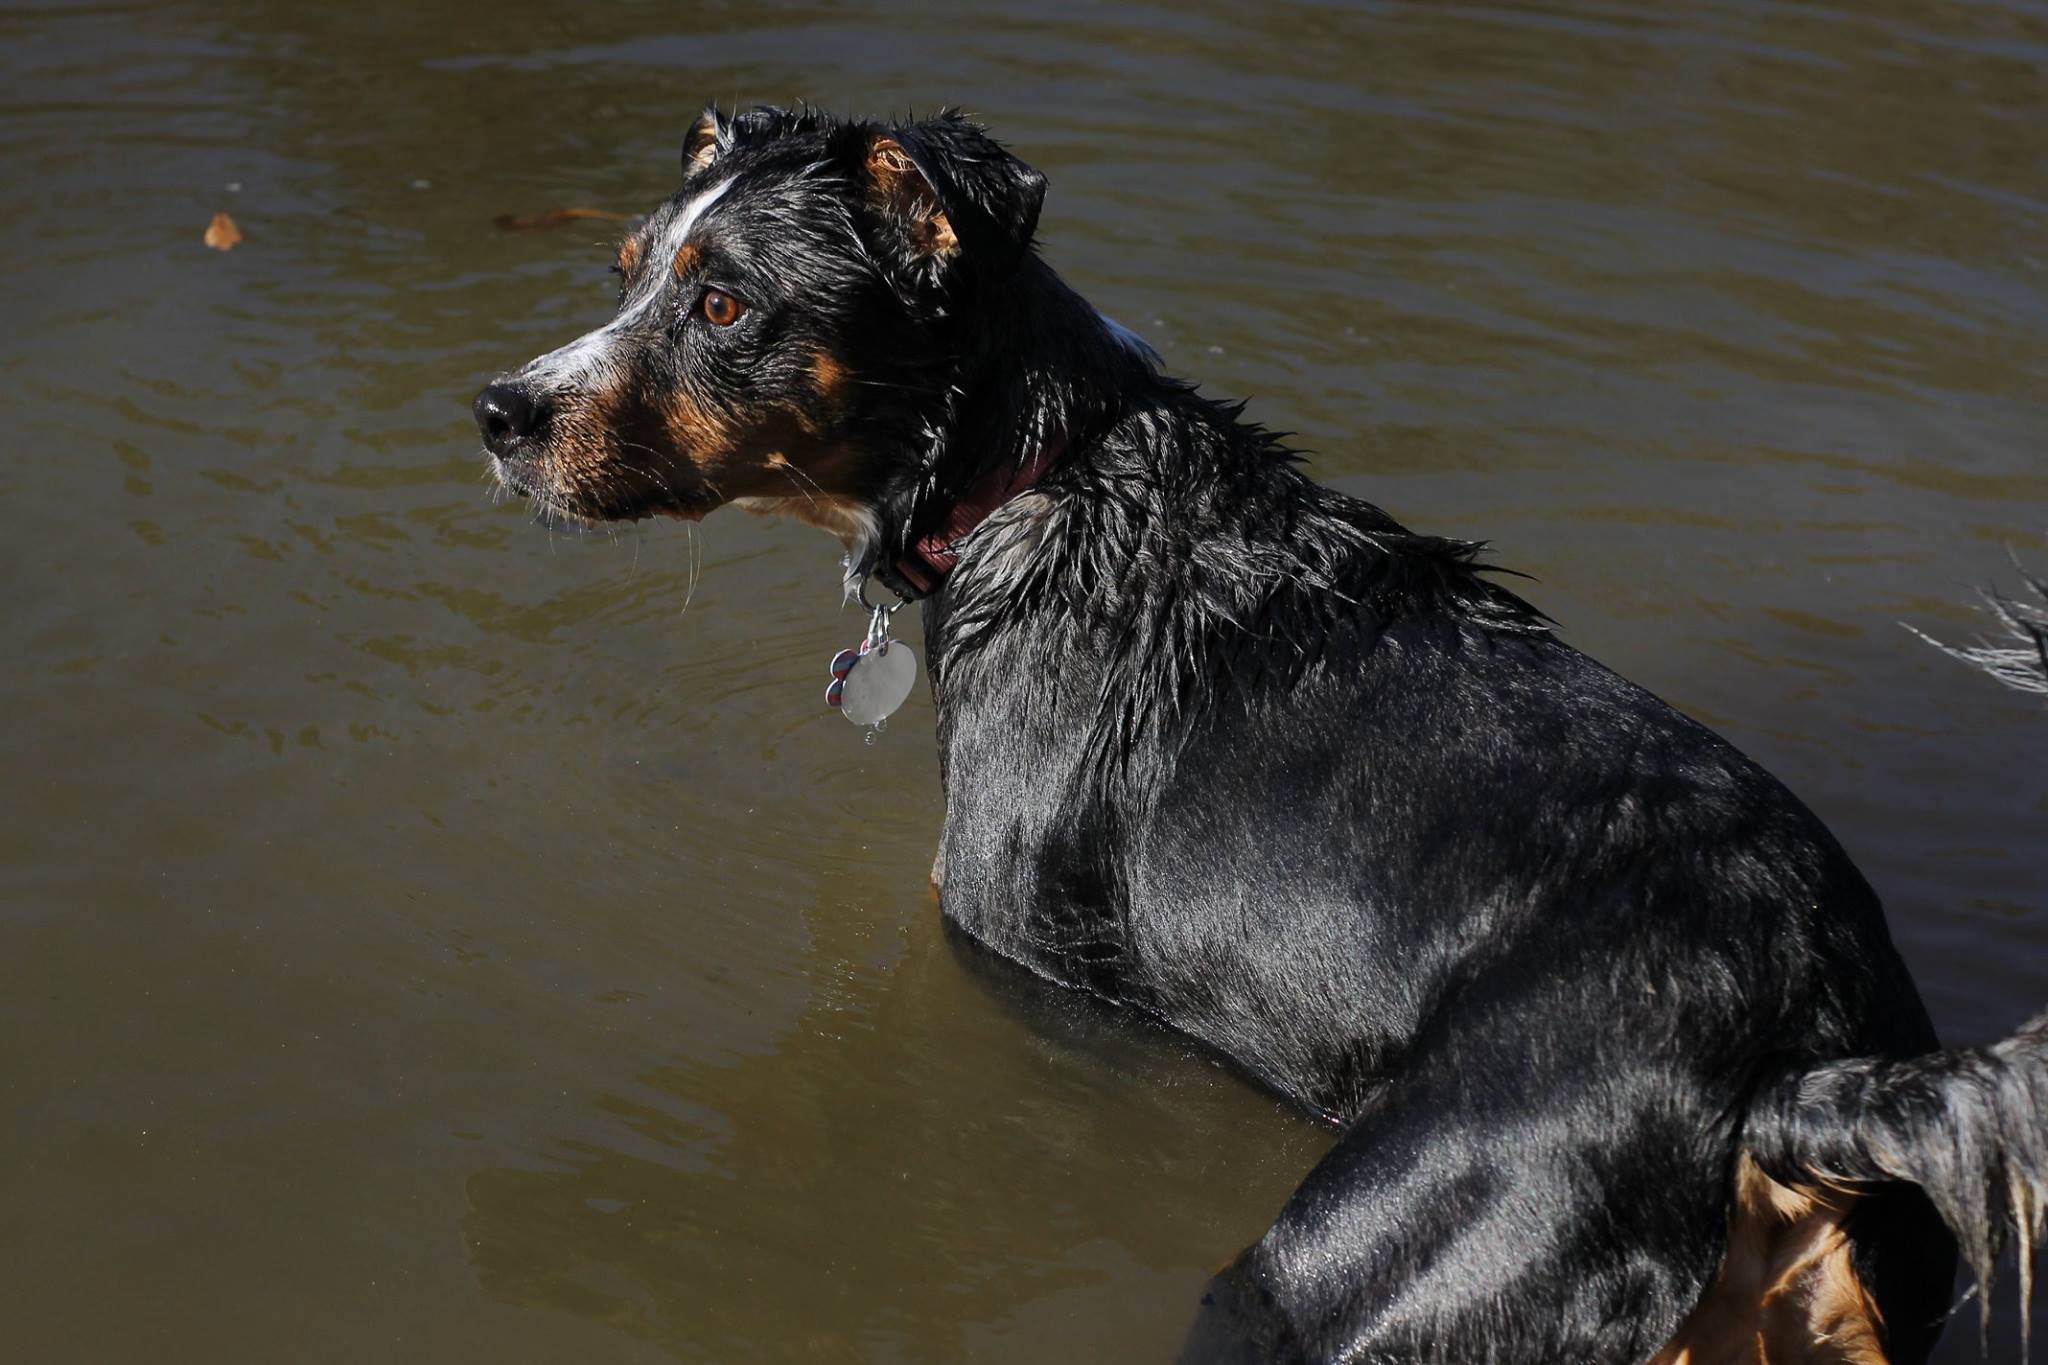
(1619, 1042)
(2020, 660)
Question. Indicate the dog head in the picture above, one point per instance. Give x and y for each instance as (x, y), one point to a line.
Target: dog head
(784, 325)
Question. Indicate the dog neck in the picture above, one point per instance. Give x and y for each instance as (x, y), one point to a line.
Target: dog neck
(1034, 390)
(919, 571)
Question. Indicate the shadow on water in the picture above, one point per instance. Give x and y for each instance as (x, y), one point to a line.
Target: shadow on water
(929, 1213)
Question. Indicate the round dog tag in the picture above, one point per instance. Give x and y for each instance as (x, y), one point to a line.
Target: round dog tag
(877, 683)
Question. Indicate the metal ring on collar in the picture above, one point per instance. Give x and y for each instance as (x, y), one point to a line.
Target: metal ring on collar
(862, 594)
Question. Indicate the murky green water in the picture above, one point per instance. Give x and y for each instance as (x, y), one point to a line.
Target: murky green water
(424, 940)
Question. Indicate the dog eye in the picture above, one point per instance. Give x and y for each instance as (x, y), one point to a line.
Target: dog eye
(720, 309)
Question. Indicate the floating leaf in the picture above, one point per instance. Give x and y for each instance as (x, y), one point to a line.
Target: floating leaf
(553, 218)
(222, 234)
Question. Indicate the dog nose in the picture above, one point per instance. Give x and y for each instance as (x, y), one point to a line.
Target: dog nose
(506, 414)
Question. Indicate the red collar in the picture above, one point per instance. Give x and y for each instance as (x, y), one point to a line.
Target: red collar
(927, 563)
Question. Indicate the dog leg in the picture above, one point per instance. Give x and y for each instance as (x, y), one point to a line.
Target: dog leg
(1468, 1216)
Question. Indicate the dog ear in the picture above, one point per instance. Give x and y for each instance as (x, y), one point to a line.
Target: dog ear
(951, 192)
(708, 136)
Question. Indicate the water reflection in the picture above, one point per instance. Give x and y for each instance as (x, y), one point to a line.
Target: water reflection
(901, 1176)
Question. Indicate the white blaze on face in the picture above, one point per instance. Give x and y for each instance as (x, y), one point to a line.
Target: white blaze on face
(587, 362)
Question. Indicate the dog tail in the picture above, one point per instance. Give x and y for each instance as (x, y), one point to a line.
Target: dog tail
(1968, 1126)
(2020, 659)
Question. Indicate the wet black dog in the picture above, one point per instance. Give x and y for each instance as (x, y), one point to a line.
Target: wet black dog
(1627, 1065)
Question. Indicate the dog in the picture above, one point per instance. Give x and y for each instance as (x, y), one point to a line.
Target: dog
(2020, 661)
(1626, 1064)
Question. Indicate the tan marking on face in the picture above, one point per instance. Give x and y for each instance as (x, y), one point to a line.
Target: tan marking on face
(829, 382)
(629, 256)
(611, 450)
(1786, 1292)
(578, 468)
(688, 256)
(696, 435)
(829, 375)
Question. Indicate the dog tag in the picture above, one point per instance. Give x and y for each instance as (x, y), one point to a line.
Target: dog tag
(877, 683)
(870, 682)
